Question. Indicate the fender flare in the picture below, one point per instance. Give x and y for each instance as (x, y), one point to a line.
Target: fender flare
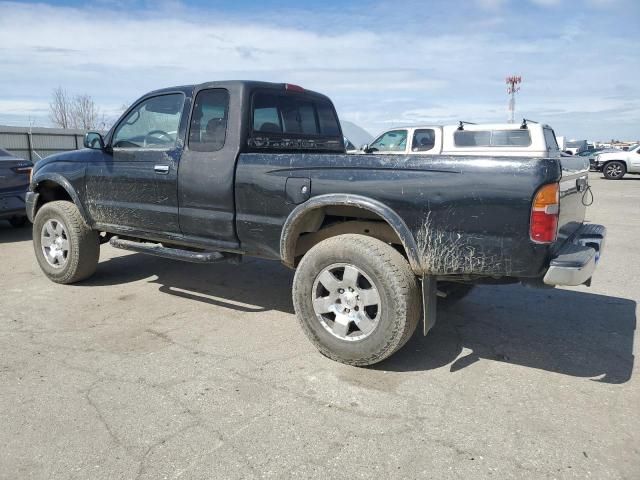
(289, 229)
(66, 185)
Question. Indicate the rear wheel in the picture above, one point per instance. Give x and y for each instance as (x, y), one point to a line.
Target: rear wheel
(65, 247)
(356, 298)
(614, 170)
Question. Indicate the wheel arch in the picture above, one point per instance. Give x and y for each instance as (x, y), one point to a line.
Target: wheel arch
(51, 187)
(308, 218)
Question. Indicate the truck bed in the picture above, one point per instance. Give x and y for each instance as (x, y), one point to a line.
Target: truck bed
(472, 217)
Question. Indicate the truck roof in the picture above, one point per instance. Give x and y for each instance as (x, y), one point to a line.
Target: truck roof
(474, 126)
(248, 84)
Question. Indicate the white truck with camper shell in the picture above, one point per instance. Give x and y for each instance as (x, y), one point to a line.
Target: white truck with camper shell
(526, 139)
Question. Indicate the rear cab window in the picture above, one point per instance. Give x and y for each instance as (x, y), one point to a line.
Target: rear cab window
(289, 121)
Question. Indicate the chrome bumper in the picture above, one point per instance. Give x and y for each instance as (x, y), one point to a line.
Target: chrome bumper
(577, 259)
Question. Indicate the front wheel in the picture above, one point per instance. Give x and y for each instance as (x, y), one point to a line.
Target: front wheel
(356, 299)
(65, 247)
(614, 170)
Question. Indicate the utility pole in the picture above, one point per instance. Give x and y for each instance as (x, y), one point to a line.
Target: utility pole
(513, 87)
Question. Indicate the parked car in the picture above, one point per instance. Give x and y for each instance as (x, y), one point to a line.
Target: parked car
(574, 147)
(260, 169)
(615, 164)
(505, 139)
(14, 182)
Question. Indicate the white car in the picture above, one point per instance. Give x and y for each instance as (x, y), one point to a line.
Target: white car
(614, 165)
(528, 139)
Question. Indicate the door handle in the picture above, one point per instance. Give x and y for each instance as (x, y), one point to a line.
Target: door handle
(161, 169)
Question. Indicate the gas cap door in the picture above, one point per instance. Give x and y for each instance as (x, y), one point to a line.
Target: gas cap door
(297, 190)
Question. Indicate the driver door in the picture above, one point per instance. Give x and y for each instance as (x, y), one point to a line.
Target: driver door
(135, 184)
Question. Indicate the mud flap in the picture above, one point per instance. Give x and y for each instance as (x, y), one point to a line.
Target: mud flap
(429, 302)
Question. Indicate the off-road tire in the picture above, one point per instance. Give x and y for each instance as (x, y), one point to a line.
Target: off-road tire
(455, 292)
(396, 285)
(18, 222)
(614, 170)
(84, 245)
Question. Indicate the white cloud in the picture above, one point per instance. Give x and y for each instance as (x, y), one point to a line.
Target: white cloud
(429, 72)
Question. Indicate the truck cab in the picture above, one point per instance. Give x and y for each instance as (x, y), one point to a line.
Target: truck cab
(528, 139)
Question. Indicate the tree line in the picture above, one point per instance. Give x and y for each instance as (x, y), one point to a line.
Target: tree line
(75, 111)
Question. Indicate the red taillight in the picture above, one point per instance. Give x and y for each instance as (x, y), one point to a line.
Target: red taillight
(544, 214)
(24, 170)
(293, 88)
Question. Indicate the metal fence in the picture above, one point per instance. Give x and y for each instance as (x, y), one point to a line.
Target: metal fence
(36, 143)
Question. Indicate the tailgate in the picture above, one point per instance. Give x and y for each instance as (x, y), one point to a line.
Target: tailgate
(574, 194)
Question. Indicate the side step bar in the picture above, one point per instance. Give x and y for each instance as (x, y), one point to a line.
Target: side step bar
(159, 250)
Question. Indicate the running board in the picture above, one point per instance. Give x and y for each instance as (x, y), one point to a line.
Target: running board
(160, 250)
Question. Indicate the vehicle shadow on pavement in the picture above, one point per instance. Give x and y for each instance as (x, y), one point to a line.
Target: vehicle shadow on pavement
(10, 234)
(569, 332)
(251, 286)
(562, 331)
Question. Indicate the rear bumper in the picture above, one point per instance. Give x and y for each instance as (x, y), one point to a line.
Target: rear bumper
(577, 259)
(12, 204)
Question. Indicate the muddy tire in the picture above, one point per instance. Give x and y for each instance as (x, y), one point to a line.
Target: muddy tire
(356, 299)
(614, 170)
(454, 293)
(66, 248)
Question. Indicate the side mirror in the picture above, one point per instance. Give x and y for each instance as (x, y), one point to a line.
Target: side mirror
(366, 148)
(94, 141)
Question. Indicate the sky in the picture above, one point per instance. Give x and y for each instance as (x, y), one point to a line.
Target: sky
(383, 63)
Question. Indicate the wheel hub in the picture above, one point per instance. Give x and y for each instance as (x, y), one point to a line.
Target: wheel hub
(346, 302)
(55, 243)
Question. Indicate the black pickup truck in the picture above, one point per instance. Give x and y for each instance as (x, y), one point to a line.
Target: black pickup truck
(213, 172)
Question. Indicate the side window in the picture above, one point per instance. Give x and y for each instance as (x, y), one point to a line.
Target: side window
(423, 140)
(393, 141)
(469, 138)
(510, 138)
(550, 139)
(153, 123)
(208, 128)
(492, 138)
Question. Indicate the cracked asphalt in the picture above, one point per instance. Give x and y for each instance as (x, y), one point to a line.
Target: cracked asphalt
(157, 369)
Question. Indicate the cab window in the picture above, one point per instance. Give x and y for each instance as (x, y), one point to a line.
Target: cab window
(153, 123)
(423, 140)
(393, 141)
(293, 114)
(207, 131)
